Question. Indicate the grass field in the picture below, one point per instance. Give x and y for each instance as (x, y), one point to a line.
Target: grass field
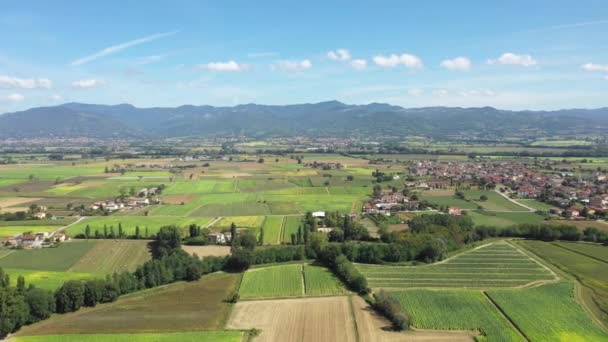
(109, 256)
(450, 201)
(130, 222)
(48, 259)
(8, 231)
(495, 201)
(456, 310)
(590, 272)
(202, 336)
(495, 265)
(291, 225)
(548, 313)
(49, 280)
(581, 225)
(596, 251)
(240, 222)
(272, 229)
(191, 306)
(319, 281)
(503, 220)
(535, 204)
(272, 282)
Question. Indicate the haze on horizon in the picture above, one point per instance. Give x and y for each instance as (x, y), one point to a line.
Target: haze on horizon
(516, 55)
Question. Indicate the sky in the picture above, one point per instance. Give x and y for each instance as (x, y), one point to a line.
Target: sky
(513, 54)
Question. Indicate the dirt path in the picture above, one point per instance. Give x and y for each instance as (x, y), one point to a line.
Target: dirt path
(69, 225)
(514, 201)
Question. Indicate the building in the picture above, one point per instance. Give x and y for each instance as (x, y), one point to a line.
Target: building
(454, 211)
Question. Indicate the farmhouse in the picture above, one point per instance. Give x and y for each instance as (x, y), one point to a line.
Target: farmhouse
(572, 212)
(219, 238)
(454, 211)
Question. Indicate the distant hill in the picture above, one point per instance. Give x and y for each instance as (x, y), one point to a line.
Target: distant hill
(330, 118)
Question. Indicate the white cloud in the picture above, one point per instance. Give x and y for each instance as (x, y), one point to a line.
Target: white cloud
(224, 66)
(85, 84)
(391, 61)
(120, 47)
(514, 59)
(342, 55)
(150, 59)
(292, 65)
(440, 92)
(56, 98)
(14, 97)
(25, 83)
(595, 67)
(416, 92)
(358, 64)
(475, 92)
(457, 64)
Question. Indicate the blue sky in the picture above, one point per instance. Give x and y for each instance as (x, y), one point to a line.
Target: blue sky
(507, 54)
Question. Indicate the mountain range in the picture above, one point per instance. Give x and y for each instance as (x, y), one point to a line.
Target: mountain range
(324, 119)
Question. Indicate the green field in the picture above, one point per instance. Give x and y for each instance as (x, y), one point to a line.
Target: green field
(503, 220)
(495, 201)
(450, 201)
(8, 231)
(494, 265)
(50, 280)
(240, 222)
(130, 222)
(456, 310)
(291, 225)
(202, 336)
(110, 256)
(535, 204)
(205, 186)
(272, 229)
(548, 313)
(319, 281)
(272, 282)
(592, 250)
(48, 259)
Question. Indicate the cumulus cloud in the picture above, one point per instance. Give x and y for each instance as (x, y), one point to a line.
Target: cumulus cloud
(595, 67)
(440, 92)
(288, 65)
(14, 97)
(391, 61)
(120, 47)
(25, 83)
(457, 64)
(85, 84)
(56, 98)
(416, 92)
(514, 59)
(230, 66)
(342, 55)
(358, 64)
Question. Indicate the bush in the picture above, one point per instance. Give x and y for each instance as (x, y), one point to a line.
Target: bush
(390, 308)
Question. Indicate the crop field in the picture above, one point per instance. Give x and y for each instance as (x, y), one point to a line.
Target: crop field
(535, 204)
(319, 281)
(211, 250)
(503, 219)
(8, 231)
(596, 251)
(548, 313)
(498, 264)
(450, 201)
(240, 221)
(204, 186)
(272, 282)
(198, 336)
(48, 259)
(109, 256)
(182, 306)
(456, 310)
(290, 226)
(592, 273)
(581, 225)
(307, 319)
(50, 280)
(495, 201)
(129, 223)
(273, 226)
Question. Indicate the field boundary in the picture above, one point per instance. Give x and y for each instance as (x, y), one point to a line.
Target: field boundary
(504, 314)
(539, 282)
(579, 252)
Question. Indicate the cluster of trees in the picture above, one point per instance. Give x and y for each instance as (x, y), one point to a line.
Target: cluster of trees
(333, 258)
(390, 308)
(544, 232)
(111, 233)
(21, 305)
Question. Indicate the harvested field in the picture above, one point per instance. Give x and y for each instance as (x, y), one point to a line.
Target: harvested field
(109, 256)
(48, 259)
(178, 307)
(309, 319)
(178, 199)
(195, 336)
(203, 251)
(6, 202)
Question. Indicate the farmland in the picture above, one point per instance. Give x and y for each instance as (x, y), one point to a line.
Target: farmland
(198, 336)
(498, 264)
(273, 226)
(109, 256)
(503, 219)
(588, 249)
(49, 280)
(48, 259)
(129, 224)
(456, 310)
(494, 202)
(295, 280)
(548, 313)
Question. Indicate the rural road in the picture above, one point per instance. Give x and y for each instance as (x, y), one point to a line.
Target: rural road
(514, 201)
(69, 225)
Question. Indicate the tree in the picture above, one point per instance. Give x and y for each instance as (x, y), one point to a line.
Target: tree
(261, 237)
(261, 160)
(247, 241)
(377, 190)
(41, 303)
(350, 178)
(168, 241)
(483, 198)
(137, 232)
(233, 234)
(87, 231)
(293, 239)
(70, 296)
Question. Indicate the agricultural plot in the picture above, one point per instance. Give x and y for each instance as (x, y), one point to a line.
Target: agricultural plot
(548, 313)
(203, 251)
(109, 256)
(8, 231)
(290, 226)
(129, 224)
(308, 319)
(272, 282)
(186, 306)
(319, 281)
(198, 336)
(456, 310)
(240, 222)
(261, 185)
(48, 259)
(591, 250)
(450, 201)
(273, 226)
(503, 219)
(203, 186)
(495, 201)
(49, 280)
(99, 189)
(495, 265)
(535, 204)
